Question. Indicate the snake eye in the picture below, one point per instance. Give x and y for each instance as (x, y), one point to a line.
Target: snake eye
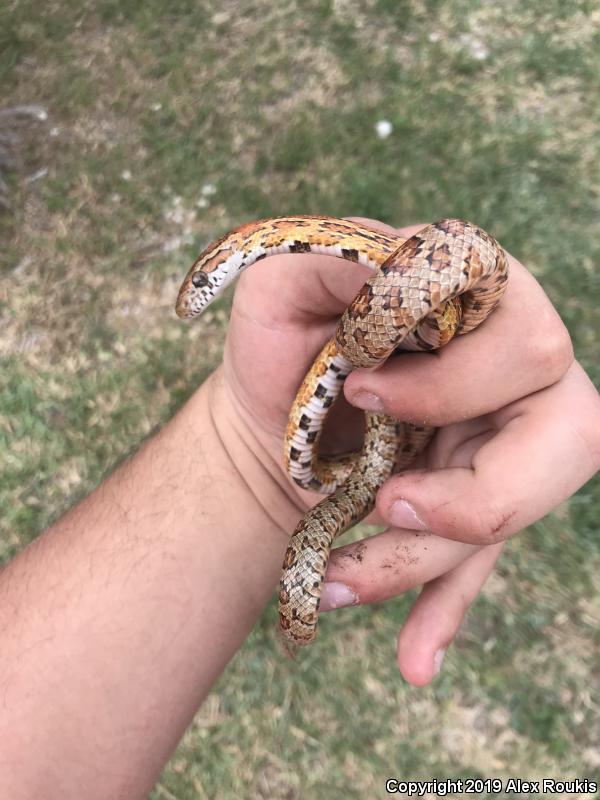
(200, 279)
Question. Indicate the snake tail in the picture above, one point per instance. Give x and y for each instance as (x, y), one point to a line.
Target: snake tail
(306, 558)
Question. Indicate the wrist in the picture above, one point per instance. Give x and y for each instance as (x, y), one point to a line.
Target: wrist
(257, 463)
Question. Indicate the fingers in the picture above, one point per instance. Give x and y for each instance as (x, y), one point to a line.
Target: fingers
(533, 455)
(388, 564)
(521, 348)
(437, 615)
(392, 562)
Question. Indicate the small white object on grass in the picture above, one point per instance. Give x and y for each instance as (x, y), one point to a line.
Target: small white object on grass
(383, 128)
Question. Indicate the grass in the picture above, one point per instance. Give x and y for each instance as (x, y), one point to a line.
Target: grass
(274, 105)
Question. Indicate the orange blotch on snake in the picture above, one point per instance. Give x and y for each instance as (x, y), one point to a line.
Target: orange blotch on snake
(290, 558)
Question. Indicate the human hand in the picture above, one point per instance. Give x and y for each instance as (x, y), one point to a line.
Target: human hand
(496, 395)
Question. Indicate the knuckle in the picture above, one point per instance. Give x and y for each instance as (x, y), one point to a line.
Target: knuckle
(494, 526)
(479, 523)
(553, 350)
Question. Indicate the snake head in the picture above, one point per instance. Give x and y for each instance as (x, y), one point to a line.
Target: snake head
(196, 293)
(208, 276)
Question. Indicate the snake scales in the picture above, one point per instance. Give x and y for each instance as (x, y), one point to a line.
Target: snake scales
(443, 281)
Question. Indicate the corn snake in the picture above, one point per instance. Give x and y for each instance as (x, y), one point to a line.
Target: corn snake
(441, 282)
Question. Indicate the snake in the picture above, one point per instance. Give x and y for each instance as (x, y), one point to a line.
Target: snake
(441, 282)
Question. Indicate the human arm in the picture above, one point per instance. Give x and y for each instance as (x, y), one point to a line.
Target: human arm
(117, 620)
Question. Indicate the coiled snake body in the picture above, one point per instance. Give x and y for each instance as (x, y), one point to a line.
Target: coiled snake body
(441, 282)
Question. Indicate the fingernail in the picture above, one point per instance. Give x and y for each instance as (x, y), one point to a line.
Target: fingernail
(336, 595)
(403, 515)
(367, 401)
(438, 660)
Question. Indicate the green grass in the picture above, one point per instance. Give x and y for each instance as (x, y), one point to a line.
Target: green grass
(494, 119)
